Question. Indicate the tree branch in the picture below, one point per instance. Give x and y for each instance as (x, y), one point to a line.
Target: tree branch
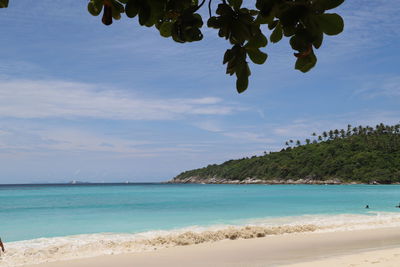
(199, 6)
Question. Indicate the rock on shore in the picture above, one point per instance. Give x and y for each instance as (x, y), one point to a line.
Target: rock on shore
(216, 180)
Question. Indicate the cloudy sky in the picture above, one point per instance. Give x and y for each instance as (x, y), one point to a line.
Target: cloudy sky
(82, 101)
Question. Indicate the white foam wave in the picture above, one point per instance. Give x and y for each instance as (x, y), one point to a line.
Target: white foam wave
(81, 246)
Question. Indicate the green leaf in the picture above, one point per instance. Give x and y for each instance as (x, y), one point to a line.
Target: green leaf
(118, 6)
(236, 4)
(299, 42)
(166, 29)
(258, 40)
(95, 8)
(242, 75)
(228, 56)
(242, 83)
(331, 4)
(3, 3)
(277, 34)
(131, 9)
(262, 20)
(318, 40)
(117, 9)
(331, 24)
(273, 24)
(257, 56)
(266, 8)
(304, 64)
(144, 14)
(288, 30)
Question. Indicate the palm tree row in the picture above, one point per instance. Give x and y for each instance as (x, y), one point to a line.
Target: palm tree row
(380, 129)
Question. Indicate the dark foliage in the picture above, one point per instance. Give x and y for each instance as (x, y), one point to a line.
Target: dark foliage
(362, 154)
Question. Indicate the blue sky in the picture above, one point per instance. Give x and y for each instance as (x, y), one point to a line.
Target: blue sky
(79, 100)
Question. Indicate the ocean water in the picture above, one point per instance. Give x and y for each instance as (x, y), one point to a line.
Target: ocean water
(57, 220)
(34, 211)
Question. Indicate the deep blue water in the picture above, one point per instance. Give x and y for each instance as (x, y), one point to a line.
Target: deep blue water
(33, 211)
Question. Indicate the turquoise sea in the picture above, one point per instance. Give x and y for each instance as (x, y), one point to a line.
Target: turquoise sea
(44, 223)
(34, 211)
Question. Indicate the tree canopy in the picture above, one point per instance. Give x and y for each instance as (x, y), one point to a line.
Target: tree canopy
(361, 154)
(245, 27)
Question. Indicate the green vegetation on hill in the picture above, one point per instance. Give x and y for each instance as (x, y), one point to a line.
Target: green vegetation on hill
(361, 154)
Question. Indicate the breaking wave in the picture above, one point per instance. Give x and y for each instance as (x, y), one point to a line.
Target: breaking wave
(43, 250)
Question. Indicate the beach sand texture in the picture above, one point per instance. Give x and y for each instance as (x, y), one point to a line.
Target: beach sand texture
(377, 258)
(375, 247)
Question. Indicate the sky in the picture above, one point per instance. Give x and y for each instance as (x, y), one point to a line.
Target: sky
(83, 101)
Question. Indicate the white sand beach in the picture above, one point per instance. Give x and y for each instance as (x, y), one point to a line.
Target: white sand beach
(381, 258)
(374, 247)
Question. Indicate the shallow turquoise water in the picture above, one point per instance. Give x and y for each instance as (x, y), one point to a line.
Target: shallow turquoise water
(34, 211)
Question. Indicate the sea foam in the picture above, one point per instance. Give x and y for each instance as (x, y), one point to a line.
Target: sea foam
(43, 250)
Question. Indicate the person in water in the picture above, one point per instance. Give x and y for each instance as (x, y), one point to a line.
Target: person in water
(367, 207)
(2, 246)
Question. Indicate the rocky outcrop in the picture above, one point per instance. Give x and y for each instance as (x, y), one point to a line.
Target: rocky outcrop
(216, 180)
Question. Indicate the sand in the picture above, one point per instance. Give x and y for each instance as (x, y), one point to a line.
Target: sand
(386, 258)
(375, 247)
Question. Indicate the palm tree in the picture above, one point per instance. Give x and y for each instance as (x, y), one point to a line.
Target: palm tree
(336, 132)
(360, 129)
(348, 132)
(314, 135)
(298, 143)
(342, 133)
(308, 141)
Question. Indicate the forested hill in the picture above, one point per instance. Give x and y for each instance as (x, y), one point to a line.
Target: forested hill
(359, 154)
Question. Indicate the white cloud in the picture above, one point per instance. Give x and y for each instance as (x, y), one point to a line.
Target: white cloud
(249, 137)
(60, 99)
(209, 125)
(381, 86)
(34, 141)
(232, 132)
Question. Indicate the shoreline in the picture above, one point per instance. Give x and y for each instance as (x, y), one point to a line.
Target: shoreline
(216, 180)
(66, 248)
(300, 249)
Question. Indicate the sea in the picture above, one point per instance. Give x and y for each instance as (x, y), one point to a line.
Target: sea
(44, 223)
